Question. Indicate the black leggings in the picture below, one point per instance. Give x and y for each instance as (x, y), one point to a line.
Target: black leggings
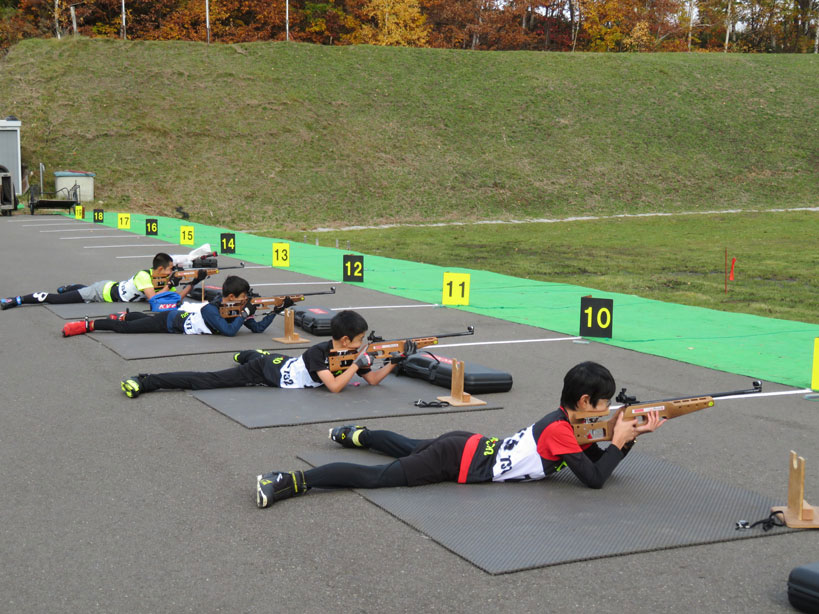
(52, 298)
(350, 475)
(135, 322)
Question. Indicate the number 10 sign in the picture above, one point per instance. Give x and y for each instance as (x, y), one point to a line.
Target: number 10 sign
(596, 317)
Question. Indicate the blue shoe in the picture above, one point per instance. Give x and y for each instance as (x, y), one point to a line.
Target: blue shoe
(8, 303)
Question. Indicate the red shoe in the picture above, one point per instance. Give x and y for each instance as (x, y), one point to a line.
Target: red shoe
(77, 328)
(118, 316)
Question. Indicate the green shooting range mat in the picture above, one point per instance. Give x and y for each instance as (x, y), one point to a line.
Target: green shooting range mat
(259, 407)
(647, 504)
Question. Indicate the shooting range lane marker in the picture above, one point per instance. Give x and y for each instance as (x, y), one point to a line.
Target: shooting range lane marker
(88, 226)
(75, 238)
(74, 230)
(385, 307)
(508, 342)
(297, 283)
(765, 394)
(131, 245)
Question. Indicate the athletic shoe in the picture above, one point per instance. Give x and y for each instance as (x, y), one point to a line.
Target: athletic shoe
(275, 486)
(120, 315)
(348, 435)
(78, 328)
(132, 387)
(63, 289)
(8, 303)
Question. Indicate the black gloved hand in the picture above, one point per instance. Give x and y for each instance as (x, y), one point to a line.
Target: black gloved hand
(397, 358)
(410, 347)
(364, 360)
(201, 275)
(249, 310)
(173, 281)
(286, 303)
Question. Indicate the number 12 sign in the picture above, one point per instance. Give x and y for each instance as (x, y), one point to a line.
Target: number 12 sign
(456, 289)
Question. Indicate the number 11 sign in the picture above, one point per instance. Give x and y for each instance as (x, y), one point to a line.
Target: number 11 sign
(456, 289)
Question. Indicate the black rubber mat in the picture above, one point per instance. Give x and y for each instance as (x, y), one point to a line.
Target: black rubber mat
(260, 407)
(647, 504)
(154, 345)
(77, 311)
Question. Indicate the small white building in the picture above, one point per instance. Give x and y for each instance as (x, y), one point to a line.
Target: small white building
(68, 179)
(10, 160)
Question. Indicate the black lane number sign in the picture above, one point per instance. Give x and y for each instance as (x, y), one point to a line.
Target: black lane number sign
(353, 268)
(151, 227)
(99, 216)
(228, 241)
(596, 317)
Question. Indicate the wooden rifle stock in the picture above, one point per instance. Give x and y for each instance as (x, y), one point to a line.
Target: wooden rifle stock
(231, 309)
(183, 275)
(380, 349)
(592, 427)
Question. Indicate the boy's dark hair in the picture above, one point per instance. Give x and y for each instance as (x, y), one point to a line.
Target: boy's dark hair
(235, 285)
(586, 378)
(161, 259)
(347, 324)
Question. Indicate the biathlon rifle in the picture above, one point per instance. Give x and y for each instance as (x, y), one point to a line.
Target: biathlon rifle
(591, 427)
(231, 309)
(378, 348)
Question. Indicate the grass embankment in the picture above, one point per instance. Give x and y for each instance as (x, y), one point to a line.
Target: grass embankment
(276, 138)
(274, 135)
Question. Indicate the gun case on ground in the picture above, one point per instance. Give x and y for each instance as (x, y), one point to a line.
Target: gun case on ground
(313, 320)
(438, 370)
(803, 587)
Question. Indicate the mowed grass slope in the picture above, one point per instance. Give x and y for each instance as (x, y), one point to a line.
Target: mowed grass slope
(272, 136)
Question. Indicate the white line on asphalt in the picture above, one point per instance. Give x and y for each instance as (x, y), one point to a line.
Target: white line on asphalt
(297, 283)
(132, 245)
(57, 224)
(510, 341)
(67, 229)
(384, 307)
(755, 395)
(75, 238)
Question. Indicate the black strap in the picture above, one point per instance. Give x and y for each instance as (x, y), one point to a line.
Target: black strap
(422, 403)
(773, 520)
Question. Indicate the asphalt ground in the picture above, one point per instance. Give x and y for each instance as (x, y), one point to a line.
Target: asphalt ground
(147, 505)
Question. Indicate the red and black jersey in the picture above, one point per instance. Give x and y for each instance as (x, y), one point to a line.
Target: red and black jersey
(545, 447)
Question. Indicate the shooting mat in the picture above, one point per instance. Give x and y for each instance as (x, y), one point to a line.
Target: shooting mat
(155, 345)
(259, 407)
(647, 504)
(78, 311)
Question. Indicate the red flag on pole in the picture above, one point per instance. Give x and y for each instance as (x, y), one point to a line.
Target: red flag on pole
(731, 276)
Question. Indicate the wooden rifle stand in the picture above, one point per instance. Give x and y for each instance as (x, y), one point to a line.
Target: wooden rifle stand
(798, 513)
(290, 334)
(459, 398)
